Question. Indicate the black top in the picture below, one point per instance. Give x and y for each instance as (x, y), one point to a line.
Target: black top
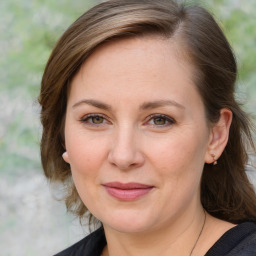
(238, 241)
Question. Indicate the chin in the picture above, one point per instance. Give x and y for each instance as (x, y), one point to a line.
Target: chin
(128, 228)
(125, 223)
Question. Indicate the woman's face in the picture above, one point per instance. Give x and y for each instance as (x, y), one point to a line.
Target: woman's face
(136, 135)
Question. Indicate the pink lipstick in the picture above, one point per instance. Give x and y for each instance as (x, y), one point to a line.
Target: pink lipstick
(127, 191)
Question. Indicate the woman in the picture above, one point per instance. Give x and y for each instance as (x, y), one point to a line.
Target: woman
(141, 125)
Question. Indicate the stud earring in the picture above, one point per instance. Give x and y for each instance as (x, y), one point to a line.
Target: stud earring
(215, 162)
(65, 157)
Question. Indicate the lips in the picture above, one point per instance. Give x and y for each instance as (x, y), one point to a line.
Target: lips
(127, 191)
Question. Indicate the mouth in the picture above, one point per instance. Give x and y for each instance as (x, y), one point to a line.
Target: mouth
(127, 191)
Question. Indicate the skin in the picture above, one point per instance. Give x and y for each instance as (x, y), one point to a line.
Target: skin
(148, 126)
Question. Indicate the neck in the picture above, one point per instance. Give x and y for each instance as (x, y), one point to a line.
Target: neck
(180, 238)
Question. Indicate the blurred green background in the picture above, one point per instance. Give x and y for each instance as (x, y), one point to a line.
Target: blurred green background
(31, 222)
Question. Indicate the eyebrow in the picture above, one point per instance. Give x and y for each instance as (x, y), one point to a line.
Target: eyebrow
(144, 106)
(160, 103)
(94, 103)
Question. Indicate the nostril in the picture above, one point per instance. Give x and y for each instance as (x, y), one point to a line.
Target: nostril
(125, 160)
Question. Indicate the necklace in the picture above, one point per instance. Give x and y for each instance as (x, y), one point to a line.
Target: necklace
(198, 235)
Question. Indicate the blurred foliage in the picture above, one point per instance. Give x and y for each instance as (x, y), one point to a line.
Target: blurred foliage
(28, 32)
(238, 20)
(29, 29)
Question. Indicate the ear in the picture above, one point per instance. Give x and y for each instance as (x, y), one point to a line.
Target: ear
(65, 157)
(219, 136)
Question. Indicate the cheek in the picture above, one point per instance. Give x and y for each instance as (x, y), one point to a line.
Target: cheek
(181, 168)
(86, 159)
(86, 153)
(179, 159)
(177, 150)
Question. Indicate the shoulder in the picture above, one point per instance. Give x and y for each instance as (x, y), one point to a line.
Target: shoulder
(238, 241)
(91, 245)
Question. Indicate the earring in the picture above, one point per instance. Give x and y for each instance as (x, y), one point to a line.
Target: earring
(65, 157)
(215, 162)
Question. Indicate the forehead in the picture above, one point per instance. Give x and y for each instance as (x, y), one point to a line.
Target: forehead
(135, 65)
(146, 51)
(143, 44)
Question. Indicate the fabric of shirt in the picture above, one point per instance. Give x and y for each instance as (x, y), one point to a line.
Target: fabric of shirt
(238, 241)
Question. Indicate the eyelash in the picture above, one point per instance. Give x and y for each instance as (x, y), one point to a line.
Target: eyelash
(86, 119)
(170, 121)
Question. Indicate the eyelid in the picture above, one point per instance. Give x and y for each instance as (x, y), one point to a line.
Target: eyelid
(169, 119)
(91, 115)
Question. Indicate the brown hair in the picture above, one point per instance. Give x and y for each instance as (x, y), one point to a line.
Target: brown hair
(225, 190)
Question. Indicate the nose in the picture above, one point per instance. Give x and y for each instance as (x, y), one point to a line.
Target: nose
(125, 153)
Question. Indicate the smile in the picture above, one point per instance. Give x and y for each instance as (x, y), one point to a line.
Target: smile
(127, 191)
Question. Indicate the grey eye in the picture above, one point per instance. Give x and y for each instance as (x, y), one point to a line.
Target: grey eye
(159, 121)
(97, 119)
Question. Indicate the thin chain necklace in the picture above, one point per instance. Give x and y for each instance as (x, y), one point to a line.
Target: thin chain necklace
(201, 231)
(198, 235)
